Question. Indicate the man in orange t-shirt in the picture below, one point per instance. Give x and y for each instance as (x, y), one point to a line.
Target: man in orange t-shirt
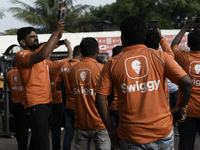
(69, 107)
(17, 95)
(83, 78)
(138, 73)
(113, 97)
(189, 61)
(56, 104)
(34, 75)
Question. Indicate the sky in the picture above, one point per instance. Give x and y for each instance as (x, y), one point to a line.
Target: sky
(8, 22)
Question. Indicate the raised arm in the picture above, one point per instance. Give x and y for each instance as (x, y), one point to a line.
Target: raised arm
(49, 46)
(187, 28)
(164, 45)
(70, 53)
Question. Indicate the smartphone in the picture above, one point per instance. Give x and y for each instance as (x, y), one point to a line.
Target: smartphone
(61, 42)
(196, 23)
(62, 15)
(154, 24)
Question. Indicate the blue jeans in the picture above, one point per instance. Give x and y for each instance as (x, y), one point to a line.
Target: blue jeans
(166, 143)
(173, 99)
(115, 117)
(69, 128)
(100, 137)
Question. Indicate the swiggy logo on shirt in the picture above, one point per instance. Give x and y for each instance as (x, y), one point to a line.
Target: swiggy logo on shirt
(15, 79)
(15, 82)
(194, 68)
(22, 54)
(136, 67)
(83, 76)
(194, 71)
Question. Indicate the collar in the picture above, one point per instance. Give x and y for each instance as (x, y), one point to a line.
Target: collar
(128, 48)
(88, 59)
(74, 60)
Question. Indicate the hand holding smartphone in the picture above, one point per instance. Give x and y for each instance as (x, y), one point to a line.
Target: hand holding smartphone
(62, 15)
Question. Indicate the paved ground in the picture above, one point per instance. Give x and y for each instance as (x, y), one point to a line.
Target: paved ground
(9, 143)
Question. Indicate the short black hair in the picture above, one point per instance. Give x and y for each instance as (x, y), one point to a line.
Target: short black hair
(89, 46)
(23, 32)
(77, 50)
(133, 29)
(101, 59)
(194, 40)
(116, 50)
(152, 39)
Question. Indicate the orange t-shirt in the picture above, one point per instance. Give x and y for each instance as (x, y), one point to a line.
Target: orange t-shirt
(54, 68)
(63, 78)
(138, 73)
(83, 78)
(35, 79)
(190, 62)
(15, 85)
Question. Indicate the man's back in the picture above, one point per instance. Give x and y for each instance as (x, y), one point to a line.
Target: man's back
(83, 78)
(138, 73)
(189, 61)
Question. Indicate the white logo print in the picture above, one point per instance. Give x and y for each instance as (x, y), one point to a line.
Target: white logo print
(197, 68)
(16, 78)
(83, 75)
(136, 65)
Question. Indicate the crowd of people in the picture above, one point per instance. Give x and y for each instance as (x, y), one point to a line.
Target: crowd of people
(123, 103)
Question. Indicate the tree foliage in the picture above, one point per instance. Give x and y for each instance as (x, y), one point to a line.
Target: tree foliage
(171, 14)
(44, 15)
(1, 13)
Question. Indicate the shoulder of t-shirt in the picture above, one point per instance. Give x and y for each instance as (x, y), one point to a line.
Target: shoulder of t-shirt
(22, 53)
(99, 65)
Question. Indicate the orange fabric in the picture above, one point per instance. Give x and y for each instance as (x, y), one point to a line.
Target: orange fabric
(83, 78)
(63, 78)
(35, 79)
(190, 62)
(138, 73)
(54, 68)
(15, 85)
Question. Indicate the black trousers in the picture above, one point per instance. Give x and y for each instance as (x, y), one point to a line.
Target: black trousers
(56, 125)
(187, 133)
(21, 125)
(39, 119)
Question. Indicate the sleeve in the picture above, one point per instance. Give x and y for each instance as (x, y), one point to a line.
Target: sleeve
(165, 47)
(172, 69)
(178, 53)
(22, 58)
(104, 84)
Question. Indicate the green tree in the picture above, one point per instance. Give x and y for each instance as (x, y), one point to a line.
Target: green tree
(169, 13)
(1, 13)
(44, 14)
